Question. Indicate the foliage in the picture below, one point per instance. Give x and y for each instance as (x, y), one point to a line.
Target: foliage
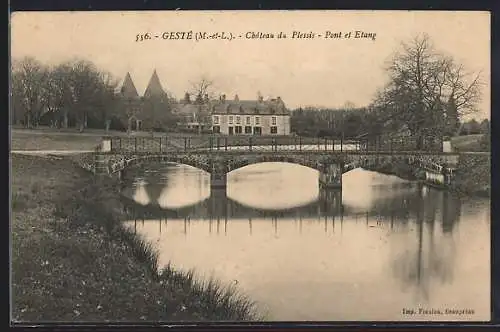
(485, 142)
(336, 123)
(70, 93)
(427, 91)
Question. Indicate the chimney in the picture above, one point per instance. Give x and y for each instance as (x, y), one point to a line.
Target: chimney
(223, 98)
(236, 98)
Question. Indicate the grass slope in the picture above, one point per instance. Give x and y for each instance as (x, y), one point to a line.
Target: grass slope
(467, 143)
(72, 260)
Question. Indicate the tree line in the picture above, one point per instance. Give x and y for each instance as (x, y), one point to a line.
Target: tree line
(359, 122)
(71, 94)
(427, 94)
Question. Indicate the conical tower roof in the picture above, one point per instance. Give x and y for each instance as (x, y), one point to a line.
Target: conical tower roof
(128, 88)
(154, 88)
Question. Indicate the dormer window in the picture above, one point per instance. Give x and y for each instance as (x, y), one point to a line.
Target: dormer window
(256, 111)
(241, 109)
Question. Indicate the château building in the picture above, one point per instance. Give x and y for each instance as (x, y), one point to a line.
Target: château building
(148, 111)
(250, 117)
(156, 111)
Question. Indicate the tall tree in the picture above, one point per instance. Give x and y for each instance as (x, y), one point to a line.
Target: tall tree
(426, 87)
(187, 98)
(485, 126)
(202, 87)
(28, 80)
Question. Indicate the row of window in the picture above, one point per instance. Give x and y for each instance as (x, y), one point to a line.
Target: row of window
(248, 130)
(247, 119)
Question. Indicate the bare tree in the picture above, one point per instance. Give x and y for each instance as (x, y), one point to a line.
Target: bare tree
(427, 88)
(28, 79)
(202, 89)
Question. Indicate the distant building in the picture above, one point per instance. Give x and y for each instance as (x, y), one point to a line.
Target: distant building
(147, 112)
(250, 117)
(155, 111)
(193, 115)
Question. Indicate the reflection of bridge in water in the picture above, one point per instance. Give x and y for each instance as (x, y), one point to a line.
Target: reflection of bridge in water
(397, 209)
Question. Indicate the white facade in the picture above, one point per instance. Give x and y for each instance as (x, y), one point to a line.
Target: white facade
(251, 124)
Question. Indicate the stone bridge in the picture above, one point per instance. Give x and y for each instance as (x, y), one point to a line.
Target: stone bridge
(328, 157)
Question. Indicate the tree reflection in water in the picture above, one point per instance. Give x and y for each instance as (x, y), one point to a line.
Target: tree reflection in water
(421, 208)
(433, 257)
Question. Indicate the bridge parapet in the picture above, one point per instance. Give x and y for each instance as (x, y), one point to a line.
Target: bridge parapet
(330, 157)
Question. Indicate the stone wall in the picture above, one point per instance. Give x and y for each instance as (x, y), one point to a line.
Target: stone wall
(473, 175)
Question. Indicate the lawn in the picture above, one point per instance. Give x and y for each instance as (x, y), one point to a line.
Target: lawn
(40, 140)
(72, 261)
(467, 143)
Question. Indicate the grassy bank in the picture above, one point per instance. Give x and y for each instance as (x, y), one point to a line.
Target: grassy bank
(472, 177)
(470, 143)
(40, 140)
(72, 260)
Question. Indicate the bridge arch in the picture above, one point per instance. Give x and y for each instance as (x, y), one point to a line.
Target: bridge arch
(123, 162)
(313, 163)
(243, 162)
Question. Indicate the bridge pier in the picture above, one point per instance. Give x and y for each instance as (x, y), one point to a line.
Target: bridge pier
(218, 181)
(218, 175)
(330, 201)
(330, 176)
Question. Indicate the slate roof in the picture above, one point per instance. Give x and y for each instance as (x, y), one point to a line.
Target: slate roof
(128, 89)
(154, 88)
(189, 109)
(264, 107)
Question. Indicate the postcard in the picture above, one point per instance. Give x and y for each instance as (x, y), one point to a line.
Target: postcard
(208, 166)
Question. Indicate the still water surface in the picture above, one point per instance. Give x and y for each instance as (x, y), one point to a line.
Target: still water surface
(380, 246)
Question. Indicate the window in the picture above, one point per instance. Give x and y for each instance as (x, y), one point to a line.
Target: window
(238, 119)
(216, 119)
(257, 120)
(230, 119)
(273, 121)
(274, 130)
(248, 120)
(216, 129)
(248, 129)
(237, 130)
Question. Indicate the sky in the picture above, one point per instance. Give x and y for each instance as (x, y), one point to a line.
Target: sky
(321, 71)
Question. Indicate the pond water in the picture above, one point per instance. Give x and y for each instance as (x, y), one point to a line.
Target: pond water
(376, 250)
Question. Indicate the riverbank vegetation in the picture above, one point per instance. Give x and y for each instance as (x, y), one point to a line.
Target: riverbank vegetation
(73, 261)
(473, 175)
